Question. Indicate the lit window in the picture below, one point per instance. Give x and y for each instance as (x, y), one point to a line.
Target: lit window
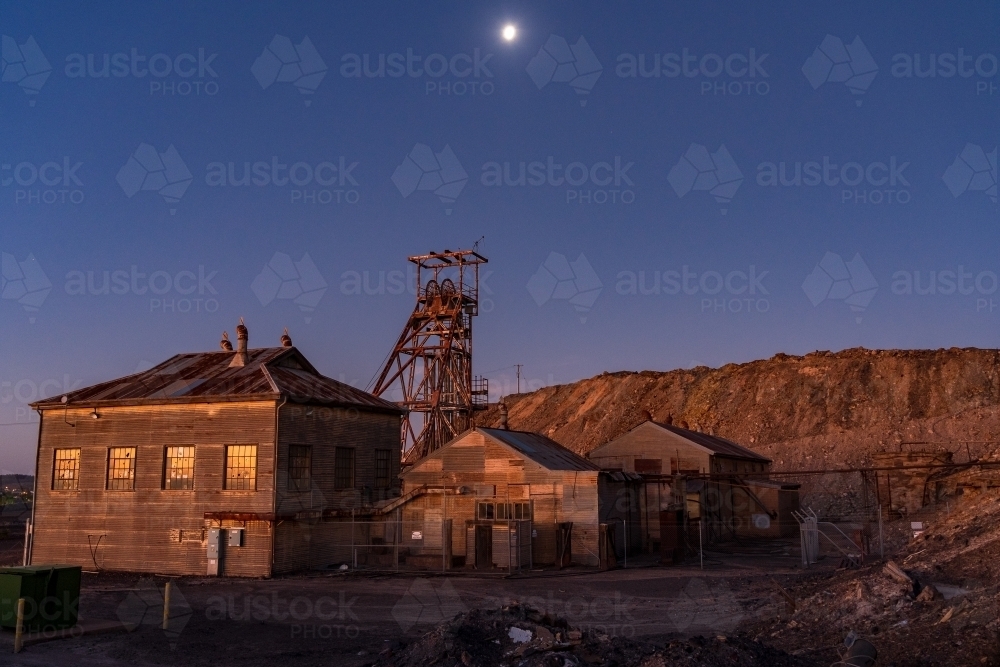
(344, 468)
(382, 468)
(66, 470)
(121, 469)
(241, 467)
(179, 471)
(299, 467)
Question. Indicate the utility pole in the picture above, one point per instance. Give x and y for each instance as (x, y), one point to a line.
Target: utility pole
(518, 377)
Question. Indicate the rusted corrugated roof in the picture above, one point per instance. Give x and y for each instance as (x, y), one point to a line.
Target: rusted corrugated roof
(714, 443)
(541, 450)
(270, 372)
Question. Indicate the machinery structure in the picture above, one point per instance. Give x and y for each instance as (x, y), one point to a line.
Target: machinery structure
(431, 363)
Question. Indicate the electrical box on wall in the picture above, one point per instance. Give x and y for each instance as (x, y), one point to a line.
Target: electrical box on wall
(214, 551)
(235, 537)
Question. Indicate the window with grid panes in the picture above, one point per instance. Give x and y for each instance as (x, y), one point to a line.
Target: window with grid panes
(344, 468)
(299, 467)
(488, 511)
(66, 470)
(121, 469)
(382, 468)
(241, 467)
(178, 473)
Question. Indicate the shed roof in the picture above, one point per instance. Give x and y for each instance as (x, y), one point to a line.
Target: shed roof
(206, 377)
(543, 451)
(714, 443)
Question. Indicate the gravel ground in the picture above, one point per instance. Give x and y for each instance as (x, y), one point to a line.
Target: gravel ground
(349, 619)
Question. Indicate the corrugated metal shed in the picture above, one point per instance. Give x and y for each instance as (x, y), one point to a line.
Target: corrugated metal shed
(714, 443)
(541, 450)
(203, 377)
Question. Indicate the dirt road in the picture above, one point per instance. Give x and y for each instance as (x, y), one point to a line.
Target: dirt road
(346, 619)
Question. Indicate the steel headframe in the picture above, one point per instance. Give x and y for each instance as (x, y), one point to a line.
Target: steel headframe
(431, 362)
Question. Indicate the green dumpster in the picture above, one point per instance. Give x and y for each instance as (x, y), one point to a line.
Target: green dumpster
(51, 596)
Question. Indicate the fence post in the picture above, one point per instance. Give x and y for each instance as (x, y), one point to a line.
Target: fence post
(444, 522)
(27, 539)
(881, 546)
(166, 606)
(701, 551)
(510, 558)
(19, 628)
(625, 533)
(802, 544)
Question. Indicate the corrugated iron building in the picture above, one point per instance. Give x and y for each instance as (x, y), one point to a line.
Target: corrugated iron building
(504, 495)
(724, 485)
(133, 474)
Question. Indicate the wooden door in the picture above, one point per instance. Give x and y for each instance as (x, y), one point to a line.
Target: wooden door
(484, 547)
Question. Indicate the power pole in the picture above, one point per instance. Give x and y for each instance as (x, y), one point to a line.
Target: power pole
(519, 377)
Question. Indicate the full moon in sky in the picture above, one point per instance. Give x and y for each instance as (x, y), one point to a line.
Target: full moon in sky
(509, 32)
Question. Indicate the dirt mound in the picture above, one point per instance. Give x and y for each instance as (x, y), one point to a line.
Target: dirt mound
(519, 635)
(935, 604)
(960, 543)
(820, 410)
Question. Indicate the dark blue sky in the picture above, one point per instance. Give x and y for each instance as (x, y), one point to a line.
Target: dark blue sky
(829, 86)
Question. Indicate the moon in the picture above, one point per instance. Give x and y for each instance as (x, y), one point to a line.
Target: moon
(509, 32)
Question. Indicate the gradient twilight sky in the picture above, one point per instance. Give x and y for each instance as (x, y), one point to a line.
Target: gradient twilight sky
(920, 146)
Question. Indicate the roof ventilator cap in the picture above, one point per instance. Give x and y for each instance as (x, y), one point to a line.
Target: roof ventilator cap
(242, 335)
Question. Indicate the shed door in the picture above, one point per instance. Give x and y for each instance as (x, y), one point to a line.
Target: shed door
(484, 547)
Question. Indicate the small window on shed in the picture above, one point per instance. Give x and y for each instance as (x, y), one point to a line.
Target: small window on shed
(344, 468)
(494, 511)
(241, 467)
(382, 468)
(66, 470)
(299, 467)
(649, 466)
(178, 472)
(121, 469)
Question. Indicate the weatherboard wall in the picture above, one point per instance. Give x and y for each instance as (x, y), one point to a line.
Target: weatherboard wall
(151, 529)
(316, 528)
(491, 471)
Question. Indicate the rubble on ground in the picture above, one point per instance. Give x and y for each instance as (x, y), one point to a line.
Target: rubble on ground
(935, 602)
(519, 635)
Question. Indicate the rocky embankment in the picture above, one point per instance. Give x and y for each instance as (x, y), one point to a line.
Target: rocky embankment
(821, 410)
